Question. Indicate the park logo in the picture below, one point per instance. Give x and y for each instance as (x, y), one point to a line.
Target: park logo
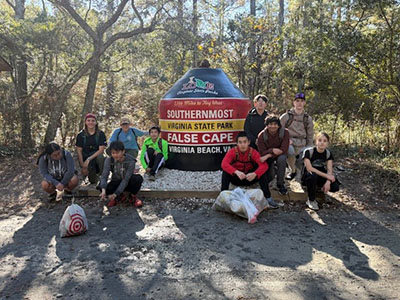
(195, 83)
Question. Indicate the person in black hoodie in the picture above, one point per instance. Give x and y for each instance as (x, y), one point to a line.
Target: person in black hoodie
(255, 119)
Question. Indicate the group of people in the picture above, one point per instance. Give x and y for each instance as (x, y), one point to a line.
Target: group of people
(56, 165)
(266, 146)
(270, 143)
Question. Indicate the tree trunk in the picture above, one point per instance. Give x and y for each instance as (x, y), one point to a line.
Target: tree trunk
(21, 86)
(195, 31)
(91, 89)
(281, 21)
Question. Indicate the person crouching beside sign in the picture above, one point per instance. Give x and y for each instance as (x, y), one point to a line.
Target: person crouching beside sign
(242, 166)
(154, 152)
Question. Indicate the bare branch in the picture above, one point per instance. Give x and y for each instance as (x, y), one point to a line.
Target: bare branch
(137, 13)
(82, 23)
(103, 27)
(12, 5)
(88, 10)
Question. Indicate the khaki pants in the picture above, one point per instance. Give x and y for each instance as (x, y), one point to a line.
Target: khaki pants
(291, 160)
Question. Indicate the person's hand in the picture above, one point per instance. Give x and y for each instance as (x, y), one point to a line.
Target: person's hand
(290, 142)
(251, 176)
(277, 151)
(148, 170)
(60, 187)
(84, 171)
(326, 187)
(330, 177)
(103, 194)
(112, 197)
(240, 174)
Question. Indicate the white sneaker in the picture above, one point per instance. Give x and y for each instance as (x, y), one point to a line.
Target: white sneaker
(312, 204)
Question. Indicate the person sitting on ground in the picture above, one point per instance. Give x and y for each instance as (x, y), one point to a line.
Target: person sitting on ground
(90, 145)
(57, 168)
(121, 166)
(318, 171)
(255, 119)
(273, 144)
(154, 152)
(242, 166)
(301, 131)
(127, 135)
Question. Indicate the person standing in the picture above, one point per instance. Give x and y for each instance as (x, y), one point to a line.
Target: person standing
(301, 131)
(255, 119)
(128, 136)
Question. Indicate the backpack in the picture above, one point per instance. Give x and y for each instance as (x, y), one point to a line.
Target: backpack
(300, 156)
(237, 155)
(85, 137)
(134, 134)
(280, 135)
(291, 117)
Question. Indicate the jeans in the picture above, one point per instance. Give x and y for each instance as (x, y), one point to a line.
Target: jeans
(280, 163)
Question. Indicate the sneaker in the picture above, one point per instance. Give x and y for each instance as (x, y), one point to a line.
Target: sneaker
(52, 197)
(152, 177)
(312, 204)
(111, 203)
(272, 203)
(136, 201)
(291, 176)
(282, 189)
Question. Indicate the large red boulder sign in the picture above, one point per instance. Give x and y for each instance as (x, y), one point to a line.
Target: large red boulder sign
(200, 117)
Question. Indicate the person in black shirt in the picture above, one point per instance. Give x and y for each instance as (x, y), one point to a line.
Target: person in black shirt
(318, 171)
(90, 145)
(255, 119)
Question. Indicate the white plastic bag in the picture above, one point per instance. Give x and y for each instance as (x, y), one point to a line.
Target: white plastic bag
(73, 222)
(247, 204)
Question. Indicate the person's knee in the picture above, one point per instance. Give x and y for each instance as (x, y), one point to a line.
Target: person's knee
(73, 183)
(291, 151)
(281, 160)
(46, 186)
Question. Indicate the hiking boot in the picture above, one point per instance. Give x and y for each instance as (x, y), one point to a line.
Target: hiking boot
(272, 203)
(312, 204)
(282, 189)
(111, 203)
(52, 197)
(291, 176)
(152, 178)
(136, 201)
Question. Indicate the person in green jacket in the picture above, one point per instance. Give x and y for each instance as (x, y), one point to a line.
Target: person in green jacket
(154, 152)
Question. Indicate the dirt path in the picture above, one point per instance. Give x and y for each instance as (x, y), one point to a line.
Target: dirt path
(184, 250)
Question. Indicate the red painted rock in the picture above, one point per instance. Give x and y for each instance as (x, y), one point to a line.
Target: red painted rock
(200, 117)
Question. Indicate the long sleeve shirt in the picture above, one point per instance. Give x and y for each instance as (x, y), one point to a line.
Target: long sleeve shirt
(273, 141)
(57, 171)
(121, 171)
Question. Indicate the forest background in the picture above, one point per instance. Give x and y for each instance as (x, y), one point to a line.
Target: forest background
(117, 58)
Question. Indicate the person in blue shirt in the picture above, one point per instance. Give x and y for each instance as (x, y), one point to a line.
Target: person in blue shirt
(128, 136)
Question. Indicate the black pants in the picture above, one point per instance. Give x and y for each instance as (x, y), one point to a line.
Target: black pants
(154, 162)
(227, 179)
(133, 186)
(312, 181)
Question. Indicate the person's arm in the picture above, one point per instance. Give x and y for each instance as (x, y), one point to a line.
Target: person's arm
(125, 181)
(247, 129)
(310, 132)
(113, 136)
(142, 154)
(102, 146)
(80, 155)
(45, 173)
(70, 169)
(106, 173)
(285, 142)
(165, 149)
(138, 132)
(311, 169)
(262, 148)
(262, 166)
(284, 118)
(227, 162)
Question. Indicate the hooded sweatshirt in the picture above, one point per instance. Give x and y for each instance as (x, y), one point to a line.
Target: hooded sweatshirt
(57, 171)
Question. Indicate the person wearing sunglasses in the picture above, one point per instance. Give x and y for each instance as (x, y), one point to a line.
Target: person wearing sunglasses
(255, 119)
(301, 131)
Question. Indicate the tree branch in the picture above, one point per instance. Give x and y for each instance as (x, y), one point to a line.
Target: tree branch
(137, 13)
(12, 45)
(82, 23)
(103, 27)
(88, 10)
(12, 5)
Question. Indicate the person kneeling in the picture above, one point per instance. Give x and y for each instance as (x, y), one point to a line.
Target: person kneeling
(154, 152)
(121, 166)
(318, 171)
(56, 165)
(241, 166)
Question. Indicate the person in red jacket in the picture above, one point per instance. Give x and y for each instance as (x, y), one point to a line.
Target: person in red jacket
(242, 166)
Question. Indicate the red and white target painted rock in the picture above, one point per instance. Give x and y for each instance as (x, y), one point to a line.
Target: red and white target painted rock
(73, 222)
